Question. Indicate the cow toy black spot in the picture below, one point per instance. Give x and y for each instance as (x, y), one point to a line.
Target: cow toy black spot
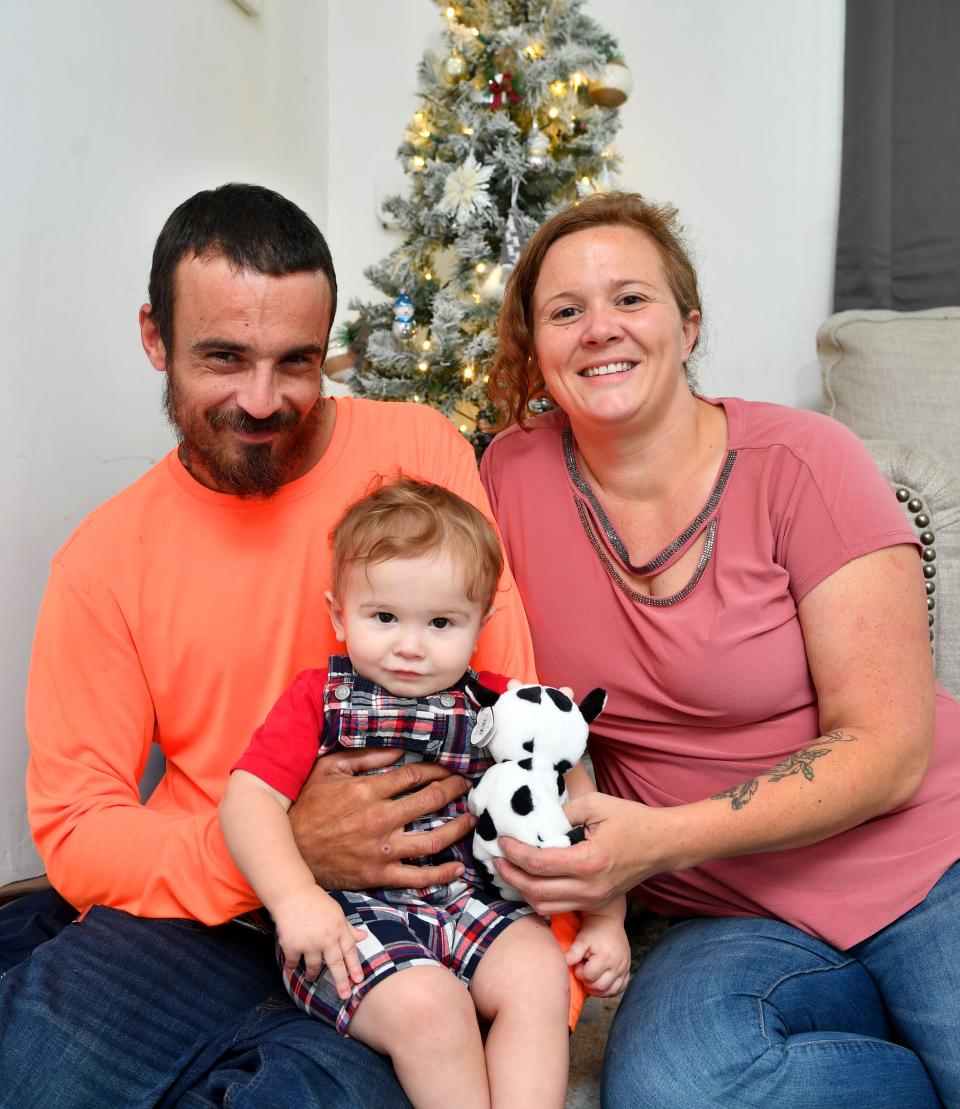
(535, 734)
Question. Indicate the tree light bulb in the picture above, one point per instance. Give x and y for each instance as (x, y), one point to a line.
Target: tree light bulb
(468, 373)
(426, 344)
(467, 130)
(451, 12)
(423, 367)
(558, 88)
(418, 162)
(553, 113)
(481, 267)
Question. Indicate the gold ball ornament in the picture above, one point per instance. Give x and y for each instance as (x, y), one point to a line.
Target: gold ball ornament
(612, 87)
(455, 67)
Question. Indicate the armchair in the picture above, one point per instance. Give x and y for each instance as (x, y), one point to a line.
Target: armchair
(894, 379)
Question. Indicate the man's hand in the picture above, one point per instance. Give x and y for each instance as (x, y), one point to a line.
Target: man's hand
(349, 827)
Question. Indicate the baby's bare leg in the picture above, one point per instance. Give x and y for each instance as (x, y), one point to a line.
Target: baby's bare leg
(522, 986)
(424, 1019)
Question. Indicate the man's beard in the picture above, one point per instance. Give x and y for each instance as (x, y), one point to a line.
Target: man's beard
(243, 469)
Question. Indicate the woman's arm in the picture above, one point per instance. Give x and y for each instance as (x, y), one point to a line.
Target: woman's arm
(868, 649)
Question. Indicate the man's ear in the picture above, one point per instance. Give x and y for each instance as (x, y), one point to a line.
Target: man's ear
(336, 616)
(152, 343)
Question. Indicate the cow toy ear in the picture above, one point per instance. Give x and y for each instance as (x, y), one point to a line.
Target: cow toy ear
(593, 704)
(481, 695)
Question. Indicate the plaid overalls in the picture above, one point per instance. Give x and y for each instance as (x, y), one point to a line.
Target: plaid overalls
(451, 925)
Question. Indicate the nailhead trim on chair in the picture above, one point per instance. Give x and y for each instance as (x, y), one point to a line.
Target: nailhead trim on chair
(921, 521)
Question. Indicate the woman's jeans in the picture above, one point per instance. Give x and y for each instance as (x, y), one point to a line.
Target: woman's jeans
(119, 1011)
(743, 1012)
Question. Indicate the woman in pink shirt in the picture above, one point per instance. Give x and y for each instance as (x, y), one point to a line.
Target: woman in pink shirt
(779, 770)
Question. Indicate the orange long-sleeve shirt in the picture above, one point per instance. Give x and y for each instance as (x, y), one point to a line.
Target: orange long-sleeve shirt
(177, 614)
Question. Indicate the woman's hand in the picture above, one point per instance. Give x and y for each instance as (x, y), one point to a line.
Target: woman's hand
(625, 844)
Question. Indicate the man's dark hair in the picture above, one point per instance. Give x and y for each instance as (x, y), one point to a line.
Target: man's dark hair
(252, 227)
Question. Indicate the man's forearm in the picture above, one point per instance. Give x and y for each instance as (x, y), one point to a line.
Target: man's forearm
(145, 863)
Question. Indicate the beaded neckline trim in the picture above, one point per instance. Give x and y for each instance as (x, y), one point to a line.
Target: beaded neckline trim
(642, 598)
(610, 532)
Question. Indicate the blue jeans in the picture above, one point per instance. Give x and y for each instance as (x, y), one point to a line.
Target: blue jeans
(742, 1012)
(116, 1010)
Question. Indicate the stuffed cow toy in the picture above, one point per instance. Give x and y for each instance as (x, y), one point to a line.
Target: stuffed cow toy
(534, 734)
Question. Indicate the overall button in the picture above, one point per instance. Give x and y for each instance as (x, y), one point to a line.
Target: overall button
(342, 692)
(447, 700)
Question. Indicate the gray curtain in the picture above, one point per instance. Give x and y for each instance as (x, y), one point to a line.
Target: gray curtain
(898, 242)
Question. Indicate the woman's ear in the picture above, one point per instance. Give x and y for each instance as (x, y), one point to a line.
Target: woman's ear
(690, 329)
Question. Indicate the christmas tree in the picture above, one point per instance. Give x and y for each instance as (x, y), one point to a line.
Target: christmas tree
(516, 119)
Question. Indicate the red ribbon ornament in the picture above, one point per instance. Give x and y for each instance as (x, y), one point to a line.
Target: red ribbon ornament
(502, 83)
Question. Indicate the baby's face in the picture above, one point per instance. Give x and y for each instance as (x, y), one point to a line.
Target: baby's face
(408, 624)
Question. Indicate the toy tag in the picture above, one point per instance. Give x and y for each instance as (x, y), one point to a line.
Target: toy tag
(483, 729)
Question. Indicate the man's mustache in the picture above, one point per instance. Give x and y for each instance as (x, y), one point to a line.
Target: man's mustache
(238, 420)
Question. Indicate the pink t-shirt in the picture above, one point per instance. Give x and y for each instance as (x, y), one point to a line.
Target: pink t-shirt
(709, 690)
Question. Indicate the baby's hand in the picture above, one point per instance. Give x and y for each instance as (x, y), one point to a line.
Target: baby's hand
(601, 956)
(311, 925)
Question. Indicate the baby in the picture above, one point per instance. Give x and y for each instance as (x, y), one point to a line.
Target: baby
(415, 570)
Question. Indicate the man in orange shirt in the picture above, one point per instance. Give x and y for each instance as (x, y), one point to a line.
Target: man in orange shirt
(175, 614)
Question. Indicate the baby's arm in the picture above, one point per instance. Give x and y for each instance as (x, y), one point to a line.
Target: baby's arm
(309, 922)
(600, 954)
(601, 951)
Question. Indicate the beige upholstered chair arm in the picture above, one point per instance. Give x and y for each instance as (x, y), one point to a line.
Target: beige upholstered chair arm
(930, 496)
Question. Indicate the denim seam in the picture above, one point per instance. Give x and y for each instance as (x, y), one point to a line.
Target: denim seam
(247, 1085)
(786, 978)
(863, 1041)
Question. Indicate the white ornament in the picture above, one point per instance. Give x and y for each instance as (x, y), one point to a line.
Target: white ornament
(465, 190)
(612, 87)
(512, 244)
(538, 146)
(606, 182)
(492, 288)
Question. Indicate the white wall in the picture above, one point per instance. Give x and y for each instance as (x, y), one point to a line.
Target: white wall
(111, 113)
(735, 117)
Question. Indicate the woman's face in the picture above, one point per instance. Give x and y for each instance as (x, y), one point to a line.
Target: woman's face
(607, 332)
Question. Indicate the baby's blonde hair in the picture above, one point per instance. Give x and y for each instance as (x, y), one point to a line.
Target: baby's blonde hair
(406, 518)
